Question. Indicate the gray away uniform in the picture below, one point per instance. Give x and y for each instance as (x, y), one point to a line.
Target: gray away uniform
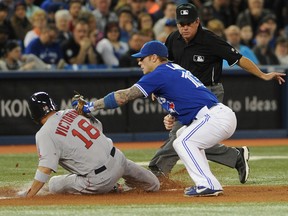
(95, 165)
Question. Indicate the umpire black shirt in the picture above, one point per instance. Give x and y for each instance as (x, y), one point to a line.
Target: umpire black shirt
(203, 55)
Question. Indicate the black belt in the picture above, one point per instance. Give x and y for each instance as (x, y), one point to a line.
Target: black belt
(102, 168)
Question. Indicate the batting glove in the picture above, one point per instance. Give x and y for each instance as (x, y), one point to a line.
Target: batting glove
(88, 107)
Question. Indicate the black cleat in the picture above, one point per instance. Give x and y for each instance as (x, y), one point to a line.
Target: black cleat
(242, 163)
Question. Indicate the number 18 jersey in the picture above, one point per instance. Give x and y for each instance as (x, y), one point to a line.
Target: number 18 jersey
(70, 140)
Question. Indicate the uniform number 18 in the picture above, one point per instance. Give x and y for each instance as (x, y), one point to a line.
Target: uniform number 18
(90, 130)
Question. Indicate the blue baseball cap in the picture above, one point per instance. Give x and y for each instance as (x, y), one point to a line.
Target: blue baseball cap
(152, 47)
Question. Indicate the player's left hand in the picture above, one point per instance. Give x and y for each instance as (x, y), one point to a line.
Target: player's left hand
(275, 75)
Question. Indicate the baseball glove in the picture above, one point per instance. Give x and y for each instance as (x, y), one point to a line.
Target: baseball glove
(78, 102)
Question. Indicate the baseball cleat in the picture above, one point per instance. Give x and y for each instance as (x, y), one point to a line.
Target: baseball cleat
(242, 165)
(201, 191)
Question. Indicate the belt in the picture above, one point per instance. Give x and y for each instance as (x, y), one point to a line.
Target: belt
(103, 168)
(204, 110)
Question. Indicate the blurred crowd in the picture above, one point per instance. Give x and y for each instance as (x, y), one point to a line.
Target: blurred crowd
(69, 34)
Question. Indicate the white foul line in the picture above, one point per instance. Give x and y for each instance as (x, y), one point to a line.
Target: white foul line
(252, 158)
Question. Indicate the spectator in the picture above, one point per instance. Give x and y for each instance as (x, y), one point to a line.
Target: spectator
(38, 20)
(237, 6)
(110, 47)
(170, 26)
(75, 7)
(94, 33)
(135, 43)
(78, 49)
(103, 14)
(137, 7)
(169, 9)
(121, 4)
(88, 17)
(4, 36)
(62, 21)
(145, 22)
(49, 5)
(96, 36)
(280, 8)
(263, 52)
(90, 5)
(51, 10)
(246, 34)
(253, 15)
(217, 9)
(269, 22)
(281, 50)
(46, 46)
(217, 27)
(14, 60)
(232, 34)
(20, 23)
(152, 7)
(10, 7)
(30, 8)
(125, 24)
(160, 13)
(4, 22)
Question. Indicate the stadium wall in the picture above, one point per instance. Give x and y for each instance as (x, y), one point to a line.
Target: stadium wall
(261, 107)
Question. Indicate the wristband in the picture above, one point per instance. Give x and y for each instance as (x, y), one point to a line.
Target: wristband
(40, 176)
(110, 102)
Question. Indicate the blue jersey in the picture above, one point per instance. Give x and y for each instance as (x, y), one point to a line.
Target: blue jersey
(177, 90)
(49, 53)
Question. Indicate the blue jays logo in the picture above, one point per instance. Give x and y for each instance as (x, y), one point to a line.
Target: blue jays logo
(171, 107)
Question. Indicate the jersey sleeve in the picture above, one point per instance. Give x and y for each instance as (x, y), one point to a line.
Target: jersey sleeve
(149, 83)
(224, 50)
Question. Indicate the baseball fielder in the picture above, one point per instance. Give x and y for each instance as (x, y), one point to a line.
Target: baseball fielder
(206, 122)
(79, 146)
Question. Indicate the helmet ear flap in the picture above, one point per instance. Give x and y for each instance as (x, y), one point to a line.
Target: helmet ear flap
(40, 105)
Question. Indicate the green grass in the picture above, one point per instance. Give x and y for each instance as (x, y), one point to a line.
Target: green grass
(19, 169)
(231, 209)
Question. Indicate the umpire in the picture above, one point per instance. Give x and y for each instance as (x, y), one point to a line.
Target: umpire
(202, 52)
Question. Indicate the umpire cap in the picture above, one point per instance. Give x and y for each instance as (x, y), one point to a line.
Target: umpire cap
(40, 104)
(186, 13)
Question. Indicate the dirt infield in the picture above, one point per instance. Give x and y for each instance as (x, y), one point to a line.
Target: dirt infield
(170, 193)
(150, 145)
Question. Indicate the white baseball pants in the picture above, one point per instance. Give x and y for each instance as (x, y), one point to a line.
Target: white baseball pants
(210, 127)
